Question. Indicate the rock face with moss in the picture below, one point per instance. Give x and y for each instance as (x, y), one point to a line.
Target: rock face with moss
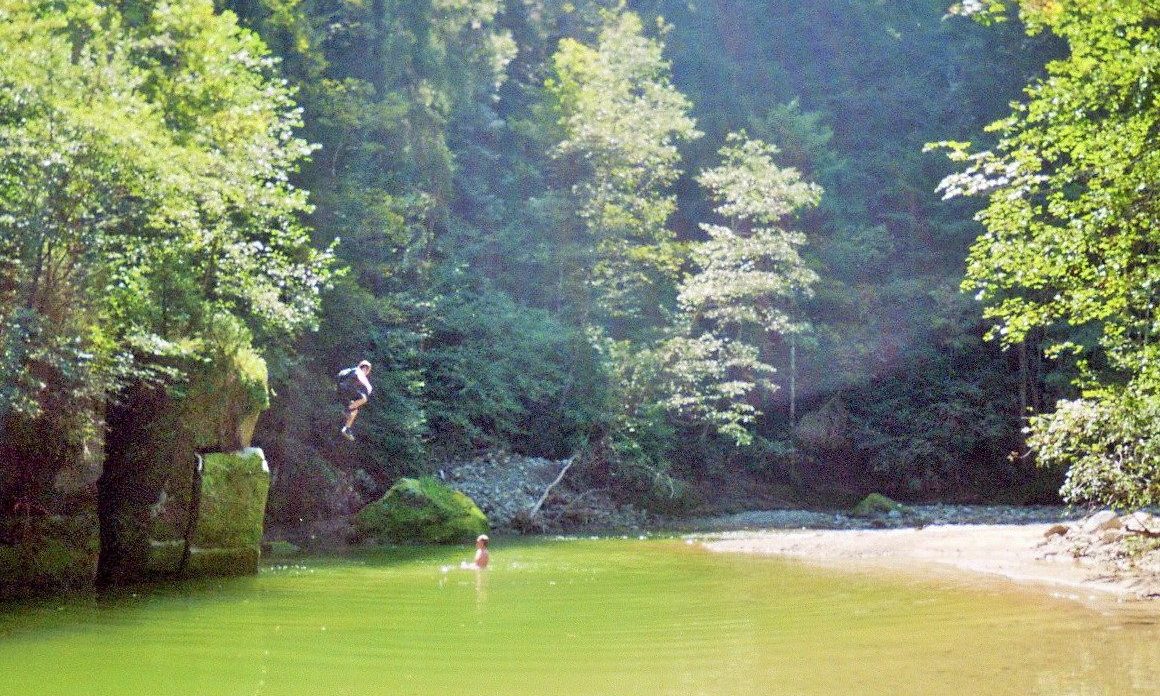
(421, 511)
(151, 511)
(227, 535)
(48, 521)
(159, 514)
(57, 552)
(226, 520)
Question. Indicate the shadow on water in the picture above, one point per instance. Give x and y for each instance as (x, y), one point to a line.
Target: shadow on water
(97, 607)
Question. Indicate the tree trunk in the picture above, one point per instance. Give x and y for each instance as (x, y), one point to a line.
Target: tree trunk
(792, 380)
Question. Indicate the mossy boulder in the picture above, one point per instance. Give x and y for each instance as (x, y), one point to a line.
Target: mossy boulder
(154, 433)
(228, 535)
(421, 511)
(164, 556)
(876, 503)
(233, 500)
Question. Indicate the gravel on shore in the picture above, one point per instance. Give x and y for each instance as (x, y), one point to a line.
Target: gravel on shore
(911, 516)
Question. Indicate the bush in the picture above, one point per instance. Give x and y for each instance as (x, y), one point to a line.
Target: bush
(1111, 446)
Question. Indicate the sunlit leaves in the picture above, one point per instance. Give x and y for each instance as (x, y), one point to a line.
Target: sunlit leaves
(751, 273)
(144, 175)
(1072, 226)
(622, 123)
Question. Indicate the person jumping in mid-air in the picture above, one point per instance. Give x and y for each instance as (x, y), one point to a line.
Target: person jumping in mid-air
(354, 387)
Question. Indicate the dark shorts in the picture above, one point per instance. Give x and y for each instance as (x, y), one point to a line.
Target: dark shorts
(350, 393)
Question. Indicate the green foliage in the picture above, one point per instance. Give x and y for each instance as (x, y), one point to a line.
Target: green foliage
(1110, 447)
(751, 274)
(622, 121)
(1070, 236)
(506, 182)
(227, 387)
(699, 383)
(502, 209)
(144, 174)
(498, 373)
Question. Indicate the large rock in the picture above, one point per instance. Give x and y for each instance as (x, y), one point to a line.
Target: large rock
(150, 490)
(48, 553)
(231, 505)
(1141, 522)
(421, 511)
(233, 500)
(1101, 521)
(876, 503)
(48, 503)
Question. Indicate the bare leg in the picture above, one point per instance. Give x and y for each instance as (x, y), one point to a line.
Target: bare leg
(352, 410)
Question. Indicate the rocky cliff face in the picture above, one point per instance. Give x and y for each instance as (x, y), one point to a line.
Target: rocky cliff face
(128, 500)
(177, 472)
(48, 521)
(225, 522)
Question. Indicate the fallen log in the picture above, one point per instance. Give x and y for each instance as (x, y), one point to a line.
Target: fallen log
(539, 503)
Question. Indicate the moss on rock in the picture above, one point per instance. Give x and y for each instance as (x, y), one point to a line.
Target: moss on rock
(165, 556)
(228, 535)
(53, 553)
(226, 393)
(223, 562)
(233, 500)
(876, 503)
(422, 511)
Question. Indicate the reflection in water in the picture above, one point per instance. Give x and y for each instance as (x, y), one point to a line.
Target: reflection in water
(1102, 662)
(480, 587)
(579, 617)
(449, 572)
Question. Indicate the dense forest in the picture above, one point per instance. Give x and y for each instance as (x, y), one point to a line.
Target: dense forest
(715, 249)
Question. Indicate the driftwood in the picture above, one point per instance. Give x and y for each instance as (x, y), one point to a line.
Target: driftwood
(536, 508)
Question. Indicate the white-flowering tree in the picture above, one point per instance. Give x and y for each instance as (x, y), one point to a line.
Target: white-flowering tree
(751, 275)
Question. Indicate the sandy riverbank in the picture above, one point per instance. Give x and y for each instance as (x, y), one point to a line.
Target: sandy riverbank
(1002, 552)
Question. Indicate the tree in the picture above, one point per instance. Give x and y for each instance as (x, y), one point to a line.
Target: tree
(1071, 237)
(621, 122)
(752, 277)
(145, 155)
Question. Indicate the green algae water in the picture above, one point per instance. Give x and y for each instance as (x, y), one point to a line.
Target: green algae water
(614, 616)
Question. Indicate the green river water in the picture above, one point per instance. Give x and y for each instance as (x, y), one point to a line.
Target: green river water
(613, 616)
